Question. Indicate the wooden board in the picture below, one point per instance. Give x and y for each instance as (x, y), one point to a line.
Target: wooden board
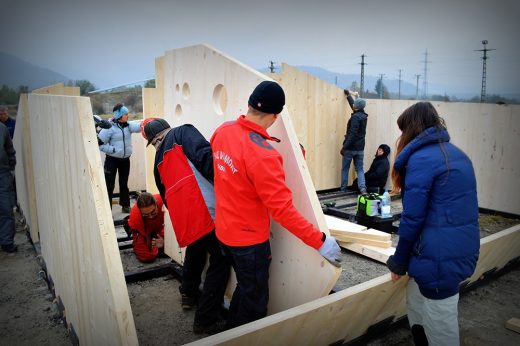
(376, 243)
(379, 254)
(346, 315)
(58, 89)
(344, 230)
(204, 87)
(77, 235)
(513, 324)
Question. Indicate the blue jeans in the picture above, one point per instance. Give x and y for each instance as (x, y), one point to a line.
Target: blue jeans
(7, 202)
(251, 265)
(358, 164)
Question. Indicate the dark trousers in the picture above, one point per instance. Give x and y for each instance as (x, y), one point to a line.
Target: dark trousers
(251, 265)
(7, 202)
(112, 166)
(217, 276)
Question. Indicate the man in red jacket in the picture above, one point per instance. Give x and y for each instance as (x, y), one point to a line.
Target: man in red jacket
(147, 224)
(183, 172)
(250, 187)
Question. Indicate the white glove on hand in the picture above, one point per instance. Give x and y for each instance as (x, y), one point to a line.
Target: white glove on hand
(354, 93)
(331, 250)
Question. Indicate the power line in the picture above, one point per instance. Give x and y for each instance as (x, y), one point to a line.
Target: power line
(484, 58)
(425, 75)
(399, 97)
(271, 66)
(362, 82)
(381, 85)
(417, 86)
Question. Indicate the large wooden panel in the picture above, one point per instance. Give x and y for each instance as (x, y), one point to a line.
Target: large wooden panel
(489, 134)
(77, 235)
(58, 89)
(204, 87)
(346, 315)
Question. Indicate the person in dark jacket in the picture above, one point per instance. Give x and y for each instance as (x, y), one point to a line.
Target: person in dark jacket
(439, 232)
(9, 122)
(183, 172)
(117, 145)
(377, 175)
(354, 143)
(7, 194)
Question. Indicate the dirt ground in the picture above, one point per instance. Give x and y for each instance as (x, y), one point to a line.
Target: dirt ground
(29, 316)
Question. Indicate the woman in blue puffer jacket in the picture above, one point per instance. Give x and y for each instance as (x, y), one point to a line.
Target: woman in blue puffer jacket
(117, 145)
(439, 232)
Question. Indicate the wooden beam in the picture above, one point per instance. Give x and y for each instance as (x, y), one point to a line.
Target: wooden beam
(345, 231)
(513, 324)
(379, 254)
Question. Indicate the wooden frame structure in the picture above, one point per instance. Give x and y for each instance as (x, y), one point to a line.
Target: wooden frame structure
(63, 197)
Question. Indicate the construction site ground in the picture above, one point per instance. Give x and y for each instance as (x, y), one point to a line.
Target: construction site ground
(29, 314)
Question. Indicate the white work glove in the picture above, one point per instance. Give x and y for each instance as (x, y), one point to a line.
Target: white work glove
(331, 250)
(354, 93)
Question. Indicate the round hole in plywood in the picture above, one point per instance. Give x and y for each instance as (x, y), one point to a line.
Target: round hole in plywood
(177, 87)
(185, 90)
(220, 99)
(178, 110)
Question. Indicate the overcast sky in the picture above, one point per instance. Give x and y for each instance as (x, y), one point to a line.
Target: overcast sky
(114, 42)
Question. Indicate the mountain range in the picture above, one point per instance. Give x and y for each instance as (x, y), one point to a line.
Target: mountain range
(15, 72)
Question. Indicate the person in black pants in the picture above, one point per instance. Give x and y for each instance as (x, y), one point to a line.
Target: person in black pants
(377, 175)
(183, 171)
(117, 145)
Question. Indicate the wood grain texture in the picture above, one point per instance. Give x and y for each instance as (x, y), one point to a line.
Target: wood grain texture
(205, 87)
(77, 235)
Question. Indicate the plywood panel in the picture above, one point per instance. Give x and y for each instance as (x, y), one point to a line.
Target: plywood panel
(204, 87)
(153, 106)
(346, 315)
(489, 134)
(77, 235)
(58, 89)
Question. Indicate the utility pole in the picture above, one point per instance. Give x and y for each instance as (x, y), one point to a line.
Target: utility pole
(399, 97)
(336, 80)
(381, 85)
(271, 66)
(362, 82)
(417, 86)
(425, 75)
(484, 58)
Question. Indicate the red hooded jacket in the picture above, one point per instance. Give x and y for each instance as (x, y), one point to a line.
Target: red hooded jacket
(250, 187)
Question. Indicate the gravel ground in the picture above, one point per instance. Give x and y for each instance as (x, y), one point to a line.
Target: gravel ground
(28, 313)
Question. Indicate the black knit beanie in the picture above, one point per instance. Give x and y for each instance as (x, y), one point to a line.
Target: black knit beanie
(268, 97)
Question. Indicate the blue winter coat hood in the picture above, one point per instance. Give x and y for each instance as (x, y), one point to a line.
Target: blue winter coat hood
(438, 233)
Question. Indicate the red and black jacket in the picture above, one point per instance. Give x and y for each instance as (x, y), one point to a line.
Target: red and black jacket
(178, 186)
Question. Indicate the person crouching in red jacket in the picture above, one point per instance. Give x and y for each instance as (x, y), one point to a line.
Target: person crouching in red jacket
(147, 224)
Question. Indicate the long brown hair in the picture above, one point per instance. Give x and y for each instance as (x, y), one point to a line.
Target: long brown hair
(413, 121)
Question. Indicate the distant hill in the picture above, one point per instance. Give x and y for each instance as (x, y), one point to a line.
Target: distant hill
(345, 80)
(15, 72)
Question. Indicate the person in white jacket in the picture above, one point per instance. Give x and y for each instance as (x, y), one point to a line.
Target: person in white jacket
(117, 145)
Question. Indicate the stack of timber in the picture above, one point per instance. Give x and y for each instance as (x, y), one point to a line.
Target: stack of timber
(356, 238)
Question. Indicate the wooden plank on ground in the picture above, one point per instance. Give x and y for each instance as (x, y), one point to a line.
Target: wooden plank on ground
(513, 324)
(376, 243)
(379, 254)
(344, 230)
(204, 87)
